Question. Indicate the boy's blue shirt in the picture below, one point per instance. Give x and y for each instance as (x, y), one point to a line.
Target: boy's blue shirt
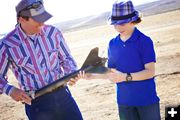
(130, 57)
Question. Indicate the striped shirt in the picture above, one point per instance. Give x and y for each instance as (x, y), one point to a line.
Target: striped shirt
(35, 60)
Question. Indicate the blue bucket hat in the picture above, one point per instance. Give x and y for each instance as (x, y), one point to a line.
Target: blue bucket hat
(123, 12)
(33, 9)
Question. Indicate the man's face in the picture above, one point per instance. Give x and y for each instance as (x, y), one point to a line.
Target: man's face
(30, 26)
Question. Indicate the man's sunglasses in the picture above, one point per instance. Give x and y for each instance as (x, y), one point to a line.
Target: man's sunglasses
(33, 6)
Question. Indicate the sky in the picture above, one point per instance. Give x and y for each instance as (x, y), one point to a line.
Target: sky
(62, 10)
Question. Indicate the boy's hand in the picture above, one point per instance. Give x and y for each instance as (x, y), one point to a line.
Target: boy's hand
(116, 76)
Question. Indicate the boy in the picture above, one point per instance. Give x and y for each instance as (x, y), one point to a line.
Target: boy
(131, 57)
(132, 54)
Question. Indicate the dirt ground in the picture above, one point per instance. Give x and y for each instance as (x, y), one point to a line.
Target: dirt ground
(97, 98)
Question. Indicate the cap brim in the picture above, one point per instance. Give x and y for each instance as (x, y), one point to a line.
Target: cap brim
(42, 17)
(119, 22)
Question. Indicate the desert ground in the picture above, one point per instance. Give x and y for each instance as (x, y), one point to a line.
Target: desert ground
(97, 98)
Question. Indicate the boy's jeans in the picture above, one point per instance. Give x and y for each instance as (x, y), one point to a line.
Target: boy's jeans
(150, 112)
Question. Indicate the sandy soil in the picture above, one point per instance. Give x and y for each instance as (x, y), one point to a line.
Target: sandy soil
(97, 99)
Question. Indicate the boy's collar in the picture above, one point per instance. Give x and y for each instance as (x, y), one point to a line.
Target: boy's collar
(133, 36)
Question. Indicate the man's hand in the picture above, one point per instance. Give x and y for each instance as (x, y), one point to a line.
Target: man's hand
(73, 81)
(19, 95)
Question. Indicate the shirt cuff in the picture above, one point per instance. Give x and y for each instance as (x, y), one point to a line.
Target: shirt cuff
(8, 89)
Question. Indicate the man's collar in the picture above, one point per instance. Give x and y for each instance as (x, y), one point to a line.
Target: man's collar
(23, 35)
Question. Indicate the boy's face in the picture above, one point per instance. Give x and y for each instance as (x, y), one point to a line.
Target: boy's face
(30, 26)
(124, 29)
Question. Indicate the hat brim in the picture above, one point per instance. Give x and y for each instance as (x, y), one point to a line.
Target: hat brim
(119, 22)
(42, 17)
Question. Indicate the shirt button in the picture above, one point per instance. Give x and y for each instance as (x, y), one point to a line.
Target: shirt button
(124, 45)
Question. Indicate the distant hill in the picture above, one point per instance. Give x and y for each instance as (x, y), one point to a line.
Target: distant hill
(152, 8)
(2, 35)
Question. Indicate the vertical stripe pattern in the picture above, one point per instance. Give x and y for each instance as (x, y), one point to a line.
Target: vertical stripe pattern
(35, 61)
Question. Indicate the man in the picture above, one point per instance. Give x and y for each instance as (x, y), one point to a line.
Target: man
(38, 55)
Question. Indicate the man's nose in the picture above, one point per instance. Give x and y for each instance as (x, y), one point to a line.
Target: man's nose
(41, 24)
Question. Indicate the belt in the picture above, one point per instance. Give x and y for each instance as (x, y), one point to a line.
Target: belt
(37, 93)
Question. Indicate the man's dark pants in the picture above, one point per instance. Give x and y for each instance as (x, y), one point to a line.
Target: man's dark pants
(57, 105)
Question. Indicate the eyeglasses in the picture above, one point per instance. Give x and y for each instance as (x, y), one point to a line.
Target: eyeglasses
(33, 6)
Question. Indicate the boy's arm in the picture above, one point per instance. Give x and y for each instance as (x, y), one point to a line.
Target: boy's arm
(147, 73)
(117, 76)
